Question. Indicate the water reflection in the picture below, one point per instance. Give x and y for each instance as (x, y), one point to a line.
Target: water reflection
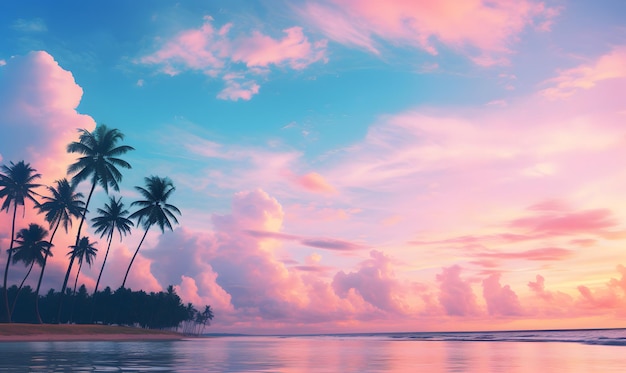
(88, 356)
(308, 354)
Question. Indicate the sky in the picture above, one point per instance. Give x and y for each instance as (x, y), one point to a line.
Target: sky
(342, 165)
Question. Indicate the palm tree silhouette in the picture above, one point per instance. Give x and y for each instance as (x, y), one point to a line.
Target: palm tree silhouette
(84, 251)
(154, 209)
(16, 186)
(60, 208)
(99, 161)
(110, 219)
(31, 248)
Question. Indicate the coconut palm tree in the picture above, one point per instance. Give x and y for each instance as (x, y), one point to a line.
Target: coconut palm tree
(154, 209)
(84, 252)
(110, 219)
(16, 185)
(99, 162)
(63, 205)
(31, 248)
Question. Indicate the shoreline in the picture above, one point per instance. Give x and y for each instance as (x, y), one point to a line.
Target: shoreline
(72, 332)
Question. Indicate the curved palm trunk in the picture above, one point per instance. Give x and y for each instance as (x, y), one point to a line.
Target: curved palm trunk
(80, 226)
(93, 307)
(69, 267)
(6, 269)
(43, 268)
(19, 289)
(80, 265)
(104, 262)
(133, 259)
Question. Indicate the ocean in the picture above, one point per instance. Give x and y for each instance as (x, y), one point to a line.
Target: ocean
(518, 351)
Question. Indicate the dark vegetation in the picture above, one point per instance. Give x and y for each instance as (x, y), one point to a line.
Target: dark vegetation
(99, 162)
(162, 310)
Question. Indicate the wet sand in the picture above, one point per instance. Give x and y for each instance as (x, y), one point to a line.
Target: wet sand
(36, 332)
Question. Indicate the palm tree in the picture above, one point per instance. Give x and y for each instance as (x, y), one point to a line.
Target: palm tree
(31, 248)
(60, 208)
(111, 218)
(84, 251)
(154, 209)
(99, 161)
(16, 186)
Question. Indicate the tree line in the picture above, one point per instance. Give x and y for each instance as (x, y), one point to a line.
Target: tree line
(155, 310)
(99, 163)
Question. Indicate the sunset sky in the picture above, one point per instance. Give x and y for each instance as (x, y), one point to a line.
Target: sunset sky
(343, 165)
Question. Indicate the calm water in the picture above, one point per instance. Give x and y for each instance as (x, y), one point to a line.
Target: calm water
(564, 351)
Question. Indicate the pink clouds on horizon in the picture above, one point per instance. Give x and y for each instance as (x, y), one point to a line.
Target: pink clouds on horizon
(254, 289)
(455, 294)
(215, 52)
(484, 31)
(501, 300)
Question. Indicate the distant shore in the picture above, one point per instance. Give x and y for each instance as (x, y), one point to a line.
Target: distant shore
(35, 332)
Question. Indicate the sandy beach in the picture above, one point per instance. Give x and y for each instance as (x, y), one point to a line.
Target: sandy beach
(46, 332)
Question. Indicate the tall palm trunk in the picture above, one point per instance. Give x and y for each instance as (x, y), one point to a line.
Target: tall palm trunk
(80, 226)
(19, 289)
(6, 269)
(76, 280)
(93, 307)
(43, 268)
(133, 259)
(69, 267)
(104, 262)
(74, 293)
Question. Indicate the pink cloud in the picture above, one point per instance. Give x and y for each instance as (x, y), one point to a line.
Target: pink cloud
(552, 303)
(501, 300)
(257, 288)
(375, 282)
(38, 113)
(610, 297)
(539, 287)
(543, 254)
(250, 284)
(197, 49)
(606, 299)
(312, 268)
(589, 221)
(315, 182)
(216, 53)
(236, 90)
(477, 241)
(317, 242)
(609, 66)
(483, 31)
(294, 49)
(210, 293)
(455, 294)
(550, 205)
(333, 244)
